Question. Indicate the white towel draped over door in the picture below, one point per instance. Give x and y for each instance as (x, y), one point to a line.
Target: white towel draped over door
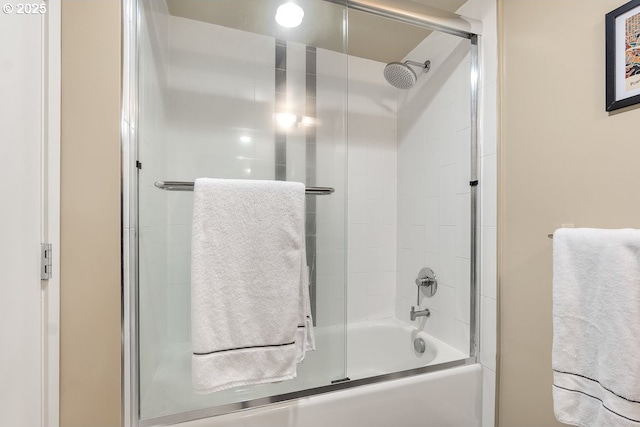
(596, 327)
(251, 321)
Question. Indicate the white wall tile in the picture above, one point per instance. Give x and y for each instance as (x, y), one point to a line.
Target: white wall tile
(357, 311)
(447, 255)
(178, 254)
(432, 224)
(357, 286)
(431, 183)
(374, 208)
(489, 47)
(375, 306)
(417, 239)
(447, 123)
(463, 225)
(463, 290)
(357, 187)
(447, 95)
(431, 324)
(357, 208)
(390, 262)
(434, 191)
(447, 181)
(489, 125)
(432, 260)
(357, 261)
(463, 160)
(357, 155)
(446, 326)
(375, 282)
(405, 259)
(152, 299)
(447, 195)
(389, 236)
(376, 259)
(357, 296)
(463, 94)
(372, 184)
(179, 313)
(375, 185)
(358, 236)
(374, 235)
(488, 267)
(488, 332)
(488, 190)
(462, 337)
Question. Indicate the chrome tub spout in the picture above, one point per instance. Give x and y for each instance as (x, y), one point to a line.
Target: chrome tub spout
(420, 313)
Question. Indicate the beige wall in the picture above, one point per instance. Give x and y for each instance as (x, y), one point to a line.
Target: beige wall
(90, 224)
(563, 160)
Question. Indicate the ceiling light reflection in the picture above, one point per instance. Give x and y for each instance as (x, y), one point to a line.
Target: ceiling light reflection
(289, 15)
(286, 120)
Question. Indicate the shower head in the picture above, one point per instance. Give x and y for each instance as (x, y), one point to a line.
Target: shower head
(401, 75)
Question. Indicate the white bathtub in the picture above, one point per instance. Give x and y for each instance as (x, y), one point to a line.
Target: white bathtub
(377, 347)
(444, 398)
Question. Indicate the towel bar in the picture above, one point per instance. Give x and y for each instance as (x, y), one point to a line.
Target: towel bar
(188, 186)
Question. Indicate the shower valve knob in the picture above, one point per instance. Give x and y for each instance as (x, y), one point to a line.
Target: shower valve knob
(427, 280)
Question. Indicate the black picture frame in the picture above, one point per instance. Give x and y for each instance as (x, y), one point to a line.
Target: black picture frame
(623, 56)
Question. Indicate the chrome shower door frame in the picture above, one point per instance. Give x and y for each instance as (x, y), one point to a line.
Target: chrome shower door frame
(129, 191)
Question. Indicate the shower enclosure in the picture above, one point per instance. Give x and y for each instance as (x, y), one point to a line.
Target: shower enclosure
(219, 89)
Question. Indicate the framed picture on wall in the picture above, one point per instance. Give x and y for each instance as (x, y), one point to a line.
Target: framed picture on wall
(623, 56)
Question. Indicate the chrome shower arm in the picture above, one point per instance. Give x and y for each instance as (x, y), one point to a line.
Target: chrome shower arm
(424, 65)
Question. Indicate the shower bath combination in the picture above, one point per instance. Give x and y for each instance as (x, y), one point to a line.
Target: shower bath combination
(402, 76)
(210, 109)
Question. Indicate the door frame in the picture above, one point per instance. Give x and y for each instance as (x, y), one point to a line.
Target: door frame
(50, 359)
(43, 61)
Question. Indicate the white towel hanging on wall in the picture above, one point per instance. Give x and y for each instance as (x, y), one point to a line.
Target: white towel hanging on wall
(596, 327)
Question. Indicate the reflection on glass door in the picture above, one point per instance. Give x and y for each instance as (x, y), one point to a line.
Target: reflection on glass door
(226, 92)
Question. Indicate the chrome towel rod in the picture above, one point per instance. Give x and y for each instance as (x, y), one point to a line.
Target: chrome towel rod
(188, 186)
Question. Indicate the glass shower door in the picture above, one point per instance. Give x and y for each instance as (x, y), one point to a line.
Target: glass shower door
(225, 92)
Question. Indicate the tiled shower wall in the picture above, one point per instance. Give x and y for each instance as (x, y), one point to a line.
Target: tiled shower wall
(433, 189)
(372, 193)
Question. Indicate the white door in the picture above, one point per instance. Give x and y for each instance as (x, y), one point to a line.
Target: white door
(25, 368)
